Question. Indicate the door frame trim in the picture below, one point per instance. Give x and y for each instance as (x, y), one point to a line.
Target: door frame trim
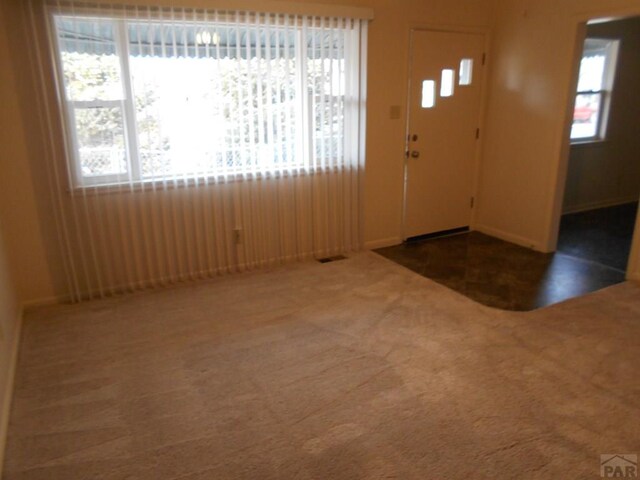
(486, 33)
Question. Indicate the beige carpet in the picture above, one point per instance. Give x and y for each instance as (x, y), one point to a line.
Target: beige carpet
(357, 369)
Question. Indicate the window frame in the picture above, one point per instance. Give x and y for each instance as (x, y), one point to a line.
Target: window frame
(304, 143)
(90, 180)
(125, 104)
(611, 51)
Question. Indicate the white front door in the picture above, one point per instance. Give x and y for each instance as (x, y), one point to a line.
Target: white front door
(444, 112)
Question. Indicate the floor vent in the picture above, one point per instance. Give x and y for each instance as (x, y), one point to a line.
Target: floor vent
(332, 259)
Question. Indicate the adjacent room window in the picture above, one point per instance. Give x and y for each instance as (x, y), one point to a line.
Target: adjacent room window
(167, 99)
(597, 72)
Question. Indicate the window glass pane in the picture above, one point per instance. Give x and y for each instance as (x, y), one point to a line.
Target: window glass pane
(585, 116)
(326, 79)
(591, 72)
(206, 98)
(466, 71)
(428, 93)
(100, 137)
(446, 86)
(89, 61)
(218, 107)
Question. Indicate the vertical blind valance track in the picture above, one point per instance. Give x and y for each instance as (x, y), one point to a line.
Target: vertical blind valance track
(148, 98)
(257, 7)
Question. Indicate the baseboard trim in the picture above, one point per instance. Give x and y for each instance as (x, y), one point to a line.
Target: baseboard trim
(9, 387)
(635, 276)
(382, 243)
(596, 205)
(508, 237)
(44, 302)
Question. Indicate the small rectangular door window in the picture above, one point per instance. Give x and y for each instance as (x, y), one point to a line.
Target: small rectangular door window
(446, 87)
(428, 93)
(466, 71)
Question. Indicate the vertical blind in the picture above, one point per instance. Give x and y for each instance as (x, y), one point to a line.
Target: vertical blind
(185, 143)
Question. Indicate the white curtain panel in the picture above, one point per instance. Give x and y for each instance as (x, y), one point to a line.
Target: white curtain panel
(186, 143)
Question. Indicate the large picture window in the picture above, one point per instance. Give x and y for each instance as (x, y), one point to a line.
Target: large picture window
(597, 72)
(166, 99)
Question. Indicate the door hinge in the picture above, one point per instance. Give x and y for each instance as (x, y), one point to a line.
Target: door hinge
(484, 58)
(477, 133)
(472, 202)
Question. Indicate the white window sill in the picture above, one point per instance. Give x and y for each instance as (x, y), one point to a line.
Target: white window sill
(291, 171)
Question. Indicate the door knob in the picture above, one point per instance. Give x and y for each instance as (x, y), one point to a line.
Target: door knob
(415, 154)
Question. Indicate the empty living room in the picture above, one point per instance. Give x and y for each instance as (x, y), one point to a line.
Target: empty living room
(319, 239)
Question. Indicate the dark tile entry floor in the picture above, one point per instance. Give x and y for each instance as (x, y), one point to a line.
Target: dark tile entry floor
(503, 275)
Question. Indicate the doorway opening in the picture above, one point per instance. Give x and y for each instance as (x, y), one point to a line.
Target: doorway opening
(602, 185)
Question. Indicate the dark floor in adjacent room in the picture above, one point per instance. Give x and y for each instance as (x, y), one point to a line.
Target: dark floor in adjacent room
(593, 248)
(602, 236)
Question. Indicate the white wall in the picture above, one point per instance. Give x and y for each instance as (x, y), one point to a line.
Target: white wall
(23, 239)
(9, 333)
(23, 270)
(528, 114)
(608, 173)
